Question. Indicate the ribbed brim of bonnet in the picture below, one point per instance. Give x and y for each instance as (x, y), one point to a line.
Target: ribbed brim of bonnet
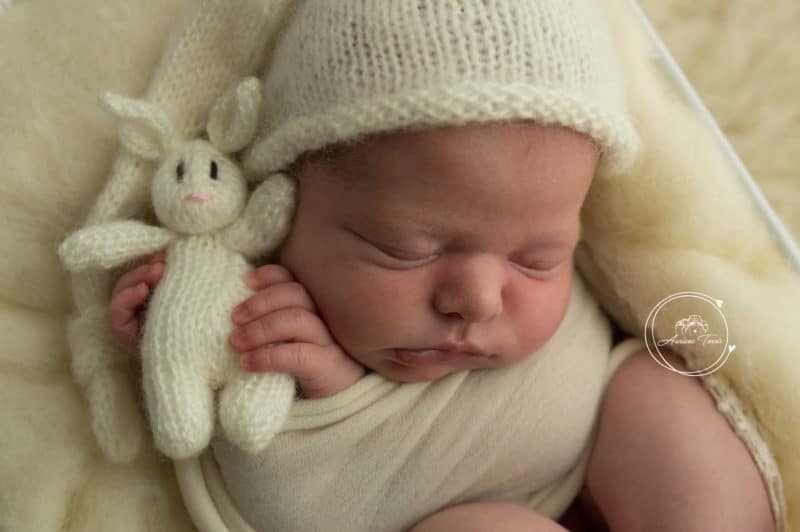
(345, 69)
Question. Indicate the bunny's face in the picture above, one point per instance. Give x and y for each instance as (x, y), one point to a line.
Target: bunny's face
(197, 189)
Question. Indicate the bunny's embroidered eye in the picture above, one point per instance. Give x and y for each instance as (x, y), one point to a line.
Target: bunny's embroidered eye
(179, 172)
(214, 170)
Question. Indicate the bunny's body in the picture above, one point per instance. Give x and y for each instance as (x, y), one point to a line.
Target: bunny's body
(202, 279)
(185, 361)
(210, 231)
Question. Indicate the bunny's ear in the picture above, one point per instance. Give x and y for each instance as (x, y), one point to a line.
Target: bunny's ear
(233, 120)
(147, 131)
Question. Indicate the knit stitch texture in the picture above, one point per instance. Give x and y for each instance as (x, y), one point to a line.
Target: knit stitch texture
(199, 196)
(345, 69)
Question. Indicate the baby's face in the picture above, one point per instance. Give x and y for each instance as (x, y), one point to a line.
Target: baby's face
(460, 236)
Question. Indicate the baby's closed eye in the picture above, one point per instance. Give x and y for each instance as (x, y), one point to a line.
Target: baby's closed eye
(404, 255)
(542, 264)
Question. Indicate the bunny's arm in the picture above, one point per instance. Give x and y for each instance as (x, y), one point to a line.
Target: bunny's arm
(109, 245)
(266, 219)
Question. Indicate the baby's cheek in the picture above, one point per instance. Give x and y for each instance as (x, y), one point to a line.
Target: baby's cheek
(537, 312)
(361, 314)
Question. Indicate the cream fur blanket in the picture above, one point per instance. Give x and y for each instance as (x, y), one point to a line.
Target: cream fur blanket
(57, 146)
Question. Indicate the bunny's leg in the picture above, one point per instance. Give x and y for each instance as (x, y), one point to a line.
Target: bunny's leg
(254, 406)
(180, 403)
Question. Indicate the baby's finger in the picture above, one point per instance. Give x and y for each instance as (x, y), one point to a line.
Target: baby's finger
(123, 320)
(159, 256)
(267, 275)
(149, 274)
(123, 307)
(321, 371)
(271, 299)
(128, 337)
(286, 325)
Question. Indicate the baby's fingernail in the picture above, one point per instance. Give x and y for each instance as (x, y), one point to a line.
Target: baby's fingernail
(240, 314)
(246, 361)
(250, 280)
(239, 336)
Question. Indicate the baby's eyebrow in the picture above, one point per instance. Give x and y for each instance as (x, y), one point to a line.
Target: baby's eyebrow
(555, 236)
(552, 240)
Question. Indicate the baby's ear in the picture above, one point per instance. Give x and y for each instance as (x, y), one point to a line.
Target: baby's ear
(146, 130)
(233, 119)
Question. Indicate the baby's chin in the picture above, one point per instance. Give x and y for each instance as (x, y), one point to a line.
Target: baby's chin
(408, 375)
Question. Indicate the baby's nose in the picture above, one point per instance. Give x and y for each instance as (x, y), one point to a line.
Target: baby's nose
(473, 291)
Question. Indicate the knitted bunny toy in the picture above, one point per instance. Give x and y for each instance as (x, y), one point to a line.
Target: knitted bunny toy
(210, 230)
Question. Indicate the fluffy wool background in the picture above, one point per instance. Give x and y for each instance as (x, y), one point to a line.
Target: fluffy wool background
(54, 56)
(742, 58)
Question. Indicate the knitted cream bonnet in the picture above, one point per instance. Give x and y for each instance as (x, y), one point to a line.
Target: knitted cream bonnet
(345, 69)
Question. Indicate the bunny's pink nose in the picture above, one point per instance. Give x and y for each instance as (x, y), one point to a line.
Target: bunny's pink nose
(199, 197)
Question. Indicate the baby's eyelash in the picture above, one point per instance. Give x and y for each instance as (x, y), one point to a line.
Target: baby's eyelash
(538, 269)
(402, 258)
(393, 254)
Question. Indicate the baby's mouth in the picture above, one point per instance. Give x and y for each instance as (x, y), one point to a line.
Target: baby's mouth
(421, 357)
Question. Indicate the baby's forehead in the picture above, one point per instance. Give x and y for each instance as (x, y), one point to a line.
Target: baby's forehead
(523, 166)
(503, 139)
(331, 155)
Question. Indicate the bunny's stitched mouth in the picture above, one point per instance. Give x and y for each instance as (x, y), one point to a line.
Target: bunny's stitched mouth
(200, 197)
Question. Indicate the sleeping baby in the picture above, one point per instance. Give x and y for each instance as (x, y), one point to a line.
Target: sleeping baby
(454, 371)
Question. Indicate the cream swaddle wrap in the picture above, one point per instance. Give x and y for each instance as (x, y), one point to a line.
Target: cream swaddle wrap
(380, 455)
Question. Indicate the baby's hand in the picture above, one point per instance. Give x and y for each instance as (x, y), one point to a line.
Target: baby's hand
(279, 330)
(125, 312)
